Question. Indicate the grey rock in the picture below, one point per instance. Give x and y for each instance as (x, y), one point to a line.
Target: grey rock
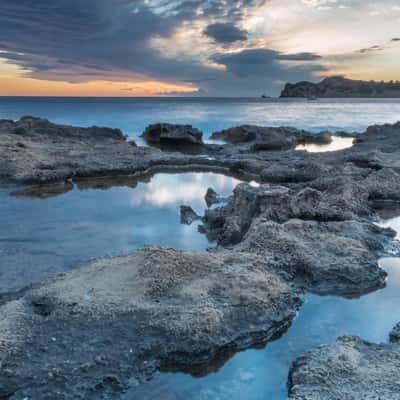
(181, 309)
(87, 334)
(36, 151)
(211, 197)
(395, 334)
(350, 369)
(315, 237)
(188, 215)
(302, 171)
(178, 134)
(269, 138)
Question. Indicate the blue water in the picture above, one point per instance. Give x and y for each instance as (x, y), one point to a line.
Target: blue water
(132, 115)
(39, 237)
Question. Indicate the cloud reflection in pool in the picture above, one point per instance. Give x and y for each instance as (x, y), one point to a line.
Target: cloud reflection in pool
(172, 190)
(39, 237)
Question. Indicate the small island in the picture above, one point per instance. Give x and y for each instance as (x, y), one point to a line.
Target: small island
(338, 86)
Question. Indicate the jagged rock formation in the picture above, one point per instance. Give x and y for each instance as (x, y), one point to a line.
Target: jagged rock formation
(349, 369)
(341, 87)
(314, 237)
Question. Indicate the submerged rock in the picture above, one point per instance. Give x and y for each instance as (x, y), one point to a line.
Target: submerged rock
(43, 191)
(351, 368)
(92, 332)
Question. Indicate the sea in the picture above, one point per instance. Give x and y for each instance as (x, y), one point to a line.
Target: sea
(132, 115)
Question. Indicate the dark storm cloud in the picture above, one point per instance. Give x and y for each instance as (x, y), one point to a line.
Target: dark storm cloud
(45, 35)
(82, 40)
(262, 61)
(225, 33)
(261, 70)
(300, 57)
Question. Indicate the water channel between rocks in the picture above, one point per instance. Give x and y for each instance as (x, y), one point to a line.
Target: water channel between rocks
(43, 236)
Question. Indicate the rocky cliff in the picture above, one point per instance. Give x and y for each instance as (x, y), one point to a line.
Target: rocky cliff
(341, 87)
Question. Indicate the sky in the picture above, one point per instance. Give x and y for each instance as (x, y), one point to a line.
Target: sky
(191, 47)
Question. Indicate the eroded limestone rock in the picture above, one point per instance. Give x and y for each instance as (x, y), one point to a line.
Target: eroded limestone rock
(350, 369)
(310, 226)
(319, 243)
(90, 333)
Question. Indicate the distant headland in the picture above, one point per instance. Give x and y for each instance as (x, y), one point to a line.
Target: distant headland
(338, 86)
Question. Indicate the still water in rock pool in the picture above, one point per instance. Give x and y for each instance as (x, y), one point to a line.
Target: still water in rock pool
(42, 236)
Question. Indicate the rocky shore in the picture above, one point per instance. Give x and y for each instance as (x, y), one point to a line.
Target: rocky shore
(307, 225)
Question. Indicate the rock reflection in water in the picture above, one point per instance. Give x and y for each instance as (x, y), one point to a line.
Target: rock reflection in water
(44, 235)
(338, 143)
(262, 374)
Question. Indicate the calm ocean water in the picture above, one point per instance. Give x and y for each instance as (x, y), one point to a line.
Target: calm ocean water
(43, 236)
(132, 115)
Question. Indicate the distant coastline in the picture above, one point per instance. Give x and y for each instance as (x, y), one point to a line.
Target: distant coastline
(339, 87)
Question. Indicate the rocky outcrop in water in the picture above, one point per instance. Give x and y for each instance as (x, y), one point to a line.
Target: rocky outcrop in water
(95, 331)
(175, 134)
(99, 329)
(338, 86)
(314, 237)
(268, 138)
(36, 151)
(351, 368)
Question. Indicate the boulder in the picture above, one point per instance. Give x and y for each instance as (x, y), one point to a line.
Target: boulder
(170, 133)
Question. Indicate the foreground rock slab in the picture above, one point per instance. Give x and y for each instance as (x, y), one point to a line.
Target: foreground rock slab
(95, 331)
(350, 369)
